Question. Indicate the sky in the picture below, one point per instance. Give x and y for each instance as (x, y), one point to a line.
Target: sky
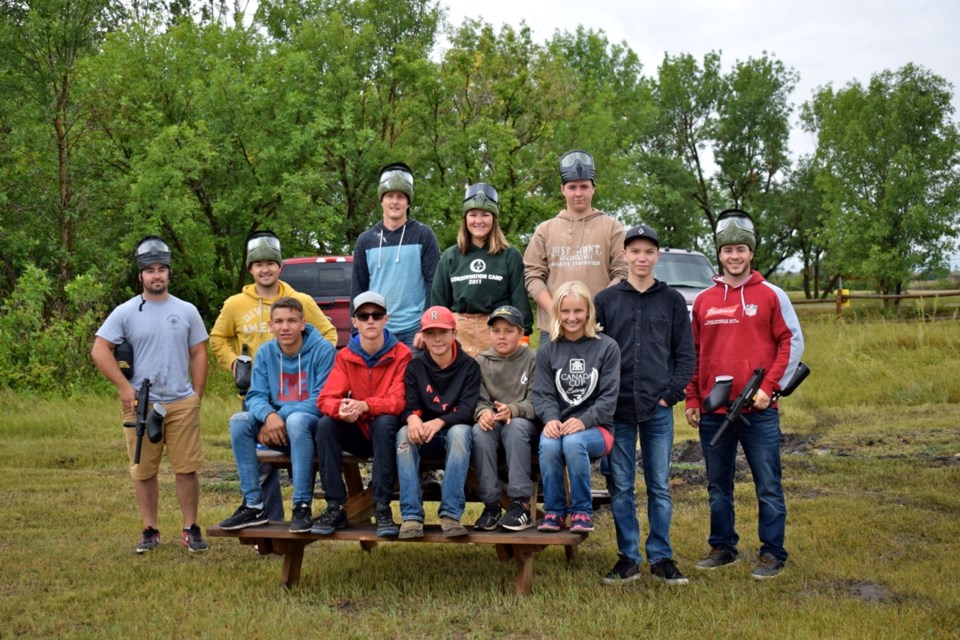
(825, 41)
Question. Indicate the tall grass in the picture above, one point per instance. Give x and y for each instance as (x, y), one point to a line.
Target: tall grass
(871, 470)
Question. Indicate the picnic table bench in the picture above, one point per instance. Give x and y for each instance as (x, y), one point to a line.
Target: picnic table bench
(519, 546)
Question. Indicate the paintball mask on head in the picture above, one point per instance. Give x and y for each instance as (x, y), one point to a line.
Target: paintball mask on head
(396, 177)
(481, 196)
(736, 227)
(150, 250)
(576, 165)
(263, 246)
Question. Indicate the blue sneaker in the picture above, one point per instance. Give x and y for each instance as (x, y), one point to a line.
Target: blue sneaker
(550, 522)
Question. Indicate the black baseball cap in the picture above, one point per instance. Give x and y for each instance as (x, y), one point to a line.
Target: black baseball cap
(641, 231)
(508, 313)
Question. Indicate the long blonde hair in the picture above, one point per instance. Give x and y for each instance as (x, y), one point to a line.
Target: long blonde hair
(574, 289)
(495, 243)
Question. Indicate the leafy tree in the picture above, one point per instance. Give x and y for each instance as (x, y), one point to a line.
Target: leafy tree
(890, 154)
(802, 212)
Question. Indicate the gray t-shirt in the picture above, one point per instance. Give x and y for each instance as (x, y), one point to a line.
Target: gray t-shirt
(161, 334)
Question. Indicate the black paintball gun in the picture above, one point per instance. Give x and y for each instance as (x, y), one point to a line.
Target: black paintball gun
(720, 395)
(243, 371)
(150, 423)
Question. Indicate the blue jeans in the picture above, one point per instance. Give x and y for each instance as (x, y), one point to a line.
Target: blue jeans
(576, 450)
(244, 429)
(406, 337)
(656, 446)
(761, 445)
(456, 441)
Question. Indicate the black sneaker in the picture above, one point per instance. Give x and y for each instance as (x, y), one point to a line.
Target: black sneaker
(149, 540)
(767, 567)
(718, 557)
(488, 519)
(245, 516)
(623, 571)
(386, 527)
(667, 571)
(517, 517)
(302, 518)
(330, 520)
(193, 539)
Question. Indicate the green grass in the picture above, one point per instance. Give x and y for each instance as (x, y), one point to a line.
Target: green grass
(871, 470)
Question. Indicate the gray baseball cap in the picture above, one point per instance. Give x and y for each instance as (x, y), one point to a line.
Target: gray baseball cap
(369, 297)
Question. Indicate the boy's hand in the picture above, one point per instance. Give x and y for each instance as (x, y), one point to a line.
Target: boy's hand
(487, 420)
(552, 429)
(273, 432)
(503, 412)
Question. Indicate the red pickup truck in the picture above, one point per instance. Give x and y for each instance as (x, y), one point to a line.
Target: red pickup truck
(327, 280)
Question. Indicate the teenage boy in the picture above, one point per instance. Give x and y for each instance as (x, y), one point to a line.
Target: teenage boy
(169, 345)
(580, 243)
(442, 385)
(397, 257)
(649, 321)
(505, 415)
(281, 413)
(741, 324)
(244, 321)
(361, 405)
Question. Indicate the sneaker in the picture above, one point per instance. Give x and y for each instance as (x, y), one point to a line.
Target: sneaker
(330, 520)
(452, 528)
(193, 539)
(149, 540)
(623, 571)
(767, 567)
(667, 571)
(517, 517)
(386, 527)
(411, 529)
(245, 516)
(302, 519)
(550, 522)
(488, 519)
(581, 523)
(718, 557)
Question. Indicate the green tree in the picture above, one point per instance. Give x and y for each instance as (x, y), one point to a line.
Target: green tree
(890, 157)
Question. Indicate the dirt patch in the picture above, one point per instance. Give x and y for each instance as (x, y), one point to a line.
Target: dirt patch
(866, 591)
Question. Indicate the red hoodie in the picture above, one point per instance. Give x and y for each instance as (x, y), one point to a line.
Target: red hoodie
(737, 330)
(379, 385)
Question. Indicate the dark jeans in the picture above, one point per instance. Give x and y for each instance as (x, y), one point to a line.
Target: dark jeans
(333, 437)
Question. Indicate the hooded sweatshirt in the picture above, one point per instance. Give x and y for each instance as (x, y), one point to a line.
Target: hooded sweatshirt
(377, 379)
(449, 393)
(564, 249)
(245, 320)
(399, 265)
(656, 346)
(578, 379)
(289, 384)
(739, 329)
(509, 380)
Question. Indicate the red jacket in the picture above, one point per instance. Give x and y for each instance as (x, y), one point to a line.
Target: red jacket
(738, 330)
(378, 381)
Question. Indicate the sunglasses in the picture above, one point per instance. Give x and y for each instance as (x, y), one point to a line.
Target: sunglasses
(363, 316)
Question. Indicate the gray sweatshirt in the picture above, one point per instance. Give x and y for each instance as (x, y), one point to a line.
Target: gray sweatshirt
(508, 380)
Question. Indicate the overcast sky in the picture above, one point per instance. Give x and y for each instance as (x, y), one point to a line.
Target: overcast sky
(825, 41)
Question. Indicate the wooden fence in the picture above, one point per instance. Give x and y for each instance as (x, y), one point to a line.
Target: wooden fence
(843, 297)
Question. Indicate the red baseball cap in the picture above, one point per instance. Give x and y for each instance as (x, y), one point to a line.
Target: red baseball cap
(437, 318)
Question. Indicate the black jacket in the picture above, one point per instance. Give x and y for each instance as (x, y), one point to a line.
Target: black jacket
(450, 393)
(656, 346)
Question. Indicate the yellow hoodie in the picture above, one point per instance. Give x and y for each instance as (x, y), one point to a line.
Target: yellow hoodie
(245, 319)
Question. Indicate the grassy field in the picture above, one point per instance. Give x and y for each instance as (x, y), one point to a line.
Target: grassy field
(871, 469)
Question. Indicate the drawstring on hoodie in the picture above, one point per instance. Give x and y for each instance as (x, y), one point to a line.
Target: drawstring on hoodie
(403, 232)
(743, 301)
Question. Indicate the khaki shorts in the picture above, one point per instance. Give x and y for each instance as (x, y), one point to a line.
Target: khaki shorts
(473, 332)
(181, 437)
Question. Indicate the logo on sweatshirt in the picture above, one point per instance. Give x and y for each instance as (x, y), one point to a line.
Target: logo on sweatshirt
(478, 266)
(575, 383)
(723, 311)
(750, 309)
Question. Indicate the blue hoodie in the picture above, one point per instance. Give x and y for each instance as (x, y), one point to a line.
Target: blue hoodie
(289, 384)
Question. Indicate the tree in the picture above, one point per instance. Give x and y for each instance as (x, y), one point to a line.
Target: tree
(890, 154)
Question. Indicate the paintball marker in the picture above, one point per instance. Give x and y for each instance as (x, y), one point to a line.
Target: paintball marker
(243, 371)
(720, 394)
(150, 423)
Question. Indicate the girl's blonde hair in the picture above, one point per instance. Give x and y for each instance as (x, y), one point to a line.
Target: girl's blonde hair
(574, 289)
(496, 241)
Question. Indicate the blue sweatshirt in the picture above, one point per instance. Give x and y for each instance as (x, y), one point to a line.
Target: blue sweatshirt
(399, 265)
(289, 384)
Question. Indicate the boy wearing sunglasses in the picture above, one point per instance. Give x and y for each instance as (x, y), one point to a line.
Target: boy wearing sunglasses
(361, 404)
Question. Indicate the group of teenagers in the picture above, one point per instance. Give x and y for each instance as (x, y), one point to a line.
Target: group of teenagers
(438, 365)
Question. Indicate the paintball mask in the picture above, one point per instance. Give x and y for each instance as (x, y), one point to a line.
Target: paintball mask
(481, 196)
(576, 165)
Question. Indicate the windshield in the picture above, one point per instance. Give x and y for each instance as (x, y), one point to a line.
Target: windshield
(684, 270)
(319, 279)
